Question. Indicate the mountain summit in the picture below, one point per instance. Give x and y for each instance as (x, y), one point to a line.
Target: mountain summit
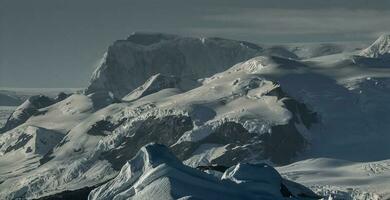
(379, 49)
(129, 63)
(155, 173)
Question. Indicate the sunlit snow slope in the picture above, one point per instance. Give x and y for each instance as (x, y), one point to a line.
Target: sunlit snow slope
(211, 102)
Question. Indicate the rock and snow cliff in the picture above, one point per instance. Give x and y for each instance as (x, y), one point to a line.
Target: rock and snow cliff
(234, 116)
(379, 49)
(129, 63)
(208, 108)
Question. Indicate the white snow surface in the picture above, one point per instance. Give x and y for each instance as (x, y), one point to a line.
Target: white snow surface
(340, 179)
(245, 102)
(154, 173)
(350, 98)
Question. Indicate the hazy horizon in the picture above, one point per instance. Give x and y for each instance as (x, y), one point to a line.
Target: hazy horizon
(57, 44)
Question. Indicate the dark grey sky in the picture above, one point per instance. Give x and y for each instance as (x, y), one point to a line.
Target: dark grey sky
(57, 43)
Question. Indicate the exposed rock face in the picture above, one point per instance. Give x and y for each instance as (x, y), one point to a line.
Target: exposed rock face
(165, 131)
(280, 145)
(155, 173)
(129, 63)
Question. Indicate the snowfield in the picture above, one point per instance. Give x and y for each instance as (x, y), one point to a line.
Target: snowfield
(342, 179)
(321, 119)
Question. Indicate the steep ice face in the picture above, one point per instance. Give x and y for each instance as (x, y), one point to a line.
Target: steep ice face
(155, 173)
(129, 63)
(379, 49)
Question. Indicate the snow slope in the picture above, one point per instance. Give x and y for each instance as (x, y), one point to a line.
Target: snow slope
(155, 173)
(342, 179)
(233, 116)
(19, 95)
(143, 55)
(25, 147)
(153, 84)
(312, 50)
(26, 110)
(264, 109)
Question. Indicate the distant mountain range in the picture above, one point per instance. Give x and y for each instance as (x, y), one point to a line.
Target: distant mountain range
(174, 117)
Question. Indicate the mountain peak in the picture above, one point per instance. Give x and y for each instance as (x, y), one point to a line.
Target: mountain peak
(379, 49)
(155, 173)
(384, 37)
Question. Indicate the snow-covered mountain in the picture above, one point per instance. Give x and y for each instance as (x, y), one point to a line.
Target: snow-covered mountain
(340, 178)
(31, 140)
(26, 110)
(234, 116)
(379, 49)
(14, 97)
(143, 55)
(155, 173)
(312, 50)
(210, 102)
